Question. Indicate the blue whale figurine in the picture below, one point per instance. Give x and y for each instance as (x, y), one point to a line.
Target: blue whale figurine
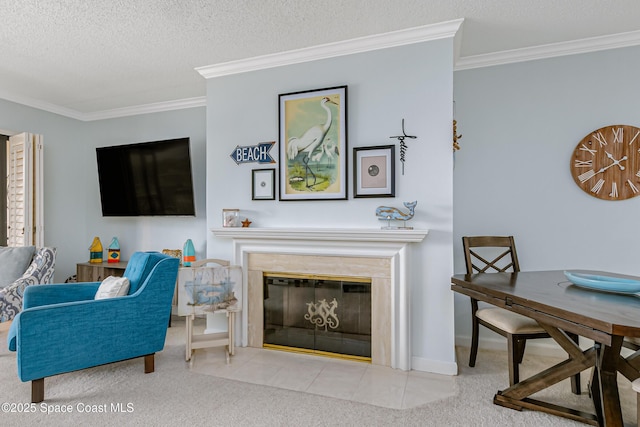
(386, 212)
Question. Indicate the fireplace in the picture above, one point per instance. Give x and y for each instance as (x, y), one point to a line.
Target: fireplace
(381, 256)
(325, 315)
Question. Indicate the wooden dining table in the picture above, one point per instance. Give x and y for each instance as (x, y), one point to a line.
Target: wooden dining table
(562, 307)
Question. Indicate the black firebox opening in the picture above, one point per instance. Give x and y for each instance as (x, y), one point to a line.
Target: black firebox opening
(318, 314)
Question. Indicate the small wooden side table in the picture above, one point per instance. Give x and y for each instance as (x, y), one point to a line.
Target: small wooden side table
(216, 339)
(97, 272)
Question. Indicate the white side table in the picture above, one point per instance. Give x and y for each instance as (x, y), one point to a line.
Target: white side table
(217, 339)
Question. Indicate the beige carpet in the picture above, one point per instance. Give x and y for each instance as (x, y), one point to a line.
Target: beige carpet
(175, 396)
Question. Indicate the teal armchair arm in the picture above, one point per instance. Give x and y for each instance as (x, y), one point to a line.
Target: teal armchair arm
(36, 296)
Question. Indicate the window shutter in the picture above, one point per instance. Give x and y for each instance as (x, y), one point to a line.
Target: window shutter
(24, 195)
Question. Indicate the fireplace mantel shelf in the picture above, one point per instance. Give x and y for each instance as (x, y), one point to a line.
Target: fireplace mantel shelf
(333, 234)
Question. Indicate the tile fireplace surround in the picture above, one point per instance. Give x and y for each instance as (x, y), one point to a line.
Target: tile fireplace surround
(382, 255)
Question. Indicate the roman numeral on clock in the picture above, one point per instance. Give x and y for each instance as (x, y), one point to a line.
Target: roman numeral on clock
(583, 163)
(614, 190)
(586, 176)
(618, 133)
(634, 138)
(596, 188)
(633, 187)
(600, 138)
(585, 148)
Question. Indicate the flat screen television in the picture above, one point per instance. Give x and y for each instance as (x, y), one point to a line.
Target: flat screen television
(146, 179)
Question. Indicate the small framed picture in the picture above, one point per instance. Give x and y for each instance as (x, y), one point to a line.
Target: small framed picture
(374, 171)
(263, 184)
(231, 218)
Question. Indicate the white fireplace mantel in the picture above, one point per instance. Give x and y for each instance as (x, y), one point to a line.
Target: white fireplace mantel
(352, 242)
(333, 234)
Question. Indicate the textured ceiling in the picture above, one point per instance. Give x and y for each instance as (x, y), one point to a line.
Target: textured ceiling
(88, 57)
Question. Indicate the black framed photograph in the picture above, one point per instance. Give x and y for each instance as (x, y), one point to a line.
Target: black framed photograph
(313, 144)
(374, 171)
(263, 184)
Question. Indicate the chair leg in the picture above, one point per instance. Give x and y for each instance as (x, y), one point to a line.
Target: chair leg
(37, 390)
(149, 363)
(512, 352)
(474, 341)
(521, 344)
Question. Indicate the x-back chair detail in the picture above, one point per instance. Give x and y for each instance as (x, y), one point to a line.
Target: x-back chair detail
(491, 254)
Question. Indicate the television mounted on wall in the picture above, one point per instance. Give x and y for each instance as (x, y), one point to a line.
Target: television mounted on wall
(146, 179)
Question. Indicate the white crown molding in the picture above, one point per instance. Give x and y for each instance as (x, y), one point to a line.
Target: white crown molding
(363, 44)
(41, 105)
(107, 114)
(331, 50)
(592, 44)
(156, 107)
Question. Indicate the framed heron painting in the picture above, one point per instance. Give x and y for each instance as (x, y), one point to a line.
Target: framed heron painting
(313, 144)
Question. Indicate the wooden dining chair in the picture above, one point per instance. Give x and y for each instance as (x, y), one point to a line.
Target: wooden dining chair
(498, 254)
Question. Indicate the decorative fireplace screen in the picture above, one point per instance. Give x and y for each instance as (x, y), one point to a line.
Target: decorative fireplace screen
(318, 314)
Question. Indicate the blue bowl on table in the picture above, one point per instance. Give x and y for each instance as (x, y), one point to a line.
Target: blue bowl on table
(604, 283)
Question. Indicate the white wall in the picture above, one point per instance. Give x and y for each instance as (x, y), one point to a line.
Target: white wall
(71, 194)
(520, 124)
(412, 82)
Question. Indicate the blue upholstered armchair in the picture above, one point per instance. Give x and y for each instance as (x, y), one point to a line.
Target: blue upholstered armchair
(62, 328)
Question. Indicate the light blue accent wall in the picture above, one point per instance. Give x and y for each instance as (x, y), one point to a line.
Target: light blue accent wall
(71, 194)
(520, 124)
(153, 233)
(414, 82)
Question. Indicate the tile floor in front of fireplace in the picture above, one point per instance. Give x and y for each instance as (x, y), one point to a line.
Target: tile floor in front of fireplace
(338, 378)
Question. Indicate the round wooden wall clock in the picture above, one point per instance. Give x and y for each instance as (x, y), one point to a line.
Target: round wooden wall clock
(606, 163)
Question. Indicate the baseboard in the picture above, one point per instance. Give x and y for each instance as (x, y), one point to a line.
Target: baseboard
(537, 347)
(435, 366)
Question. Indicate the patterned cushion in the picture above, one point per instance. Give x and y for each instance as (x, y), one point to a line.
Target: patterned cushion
(39, 272)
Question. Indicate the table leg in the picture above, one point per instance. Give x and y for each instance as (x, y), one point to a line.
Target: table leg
(517, 396)
(604, 387)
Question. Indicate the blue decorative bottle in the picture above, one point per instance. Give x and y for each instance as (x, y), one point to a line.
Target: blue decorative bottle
(188, 253)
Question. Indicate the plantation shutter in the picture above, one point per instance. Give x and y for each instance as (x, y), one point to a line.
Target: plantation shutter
(24, 191)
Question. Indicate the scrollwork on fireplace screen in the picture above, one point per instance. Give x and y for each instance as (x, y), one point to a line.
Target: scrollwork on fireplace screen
(323, 314)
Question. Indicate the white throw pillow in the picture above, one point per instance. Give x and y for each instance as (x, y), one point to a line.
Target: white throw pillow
(113, 287)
